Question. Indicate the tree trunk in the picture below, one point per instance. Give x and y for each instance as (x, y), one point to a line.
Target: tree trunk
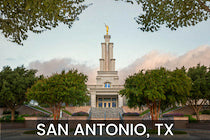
(151, 112)
(12, 114)
(59, 109)
(196, 110)
(198, 116)
(54, 113)
(155, 109)
(158, 109)
(57, 113)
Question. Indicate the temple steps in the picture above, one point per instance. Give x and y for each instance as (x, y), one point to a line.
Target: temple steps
(105, 113)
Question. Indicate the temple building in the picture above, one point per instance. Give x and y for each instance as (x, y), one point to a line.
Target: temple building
(105, 94)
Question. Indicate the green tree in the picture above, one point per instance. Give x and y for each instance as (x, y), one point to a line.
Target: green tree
(2, 104)
(17, 17)
(13, 86)
(68, 88)
(200, 92)
(155, 88)
(170, 13)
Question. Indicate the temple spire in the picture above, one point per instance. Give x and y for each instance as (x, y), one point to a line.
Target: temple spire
(107, 62)
(107, 29)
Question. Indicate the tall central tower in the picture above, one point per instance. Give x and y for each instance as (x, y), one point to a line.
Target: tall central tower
(105, 94)
(107, 62)
(107, 73)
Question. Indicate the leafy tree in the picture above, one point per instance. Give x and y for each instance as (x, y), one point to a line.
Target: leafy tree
(17, 17)
(2, 104)
(69, 88)
(171, 13)
(13, 86)
(156, 88)
(200, 92)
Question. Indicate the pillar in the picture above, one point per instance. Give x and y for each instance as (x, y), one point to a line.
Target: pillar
(120, 100)
(93, 100)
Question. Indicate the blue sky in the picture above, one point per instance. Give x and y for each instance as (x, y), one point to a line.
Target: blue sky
(82, 43)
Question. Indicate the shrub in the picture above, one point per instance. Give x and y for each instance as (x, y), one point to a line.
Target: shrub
(35, 115)
(131, 114)
(191, 119)
(80, 114)
(8, 118)
(25, 115)
(205, 112)
(9, 112)
(173, 115)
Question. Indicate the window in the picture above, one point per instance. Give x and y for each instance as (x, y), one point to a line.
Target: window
(107, 85)
(113, 104)
(100, 104)
(107, 99)
(113, 99)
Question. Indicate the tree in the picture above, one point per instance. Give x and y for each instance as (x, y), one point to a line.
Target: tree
(155, 88)
(68, 88)
(17, 17)
(13, 86)
(200, 92)
(171, 13)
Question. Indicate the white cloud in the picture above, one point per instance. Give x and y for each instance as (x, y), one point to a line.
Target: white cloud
(47, 68)
(155, 59)
(151, 60)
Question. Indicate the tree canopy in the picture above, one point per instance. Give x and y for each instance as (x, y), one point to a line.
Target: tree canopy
(13, 86)
(170, 13)
(69, 88)
(200, 92)
(156, 89)
(18, 17)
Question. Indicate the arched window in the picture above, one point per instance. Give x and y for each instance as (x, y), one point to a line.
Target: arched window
(107, 85)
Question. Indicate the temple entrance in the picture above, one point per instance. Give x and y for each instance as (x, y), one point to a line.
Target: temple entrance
(107, 101)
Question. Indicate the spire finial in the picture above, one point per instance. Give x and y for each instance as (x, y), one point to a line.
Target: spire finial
(107, 29)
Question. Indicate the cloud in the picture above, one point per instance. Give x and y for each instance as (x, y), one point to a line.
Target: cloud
(156, 59)
(47, 68)
(152, 60)
(10, 59)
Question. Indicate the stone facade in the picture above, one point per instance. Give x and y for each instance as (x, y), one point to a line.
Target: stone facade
(105, 92)
(126, 109)
(75, 109)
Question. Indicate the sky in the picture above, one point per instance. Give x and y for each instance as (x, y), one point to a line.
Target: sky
(80, 46)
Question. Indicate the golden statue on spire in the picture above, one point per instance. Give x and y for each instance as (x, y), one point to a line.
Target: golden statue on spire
(107, 29)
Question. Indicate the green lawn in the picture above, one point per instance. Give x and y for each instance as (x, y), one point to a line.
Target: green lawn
(39, 108)
(145, 112)
(170, 109)
(65, 111)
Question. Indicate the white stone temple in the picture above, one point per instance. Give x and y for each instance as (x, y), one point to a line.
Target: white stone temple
(105, 93)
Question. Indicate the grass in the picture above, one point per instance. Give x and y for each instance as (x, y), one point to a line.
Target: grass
(39, 108)
(145, 112)
(65, 111)
(8, 118)
(170, 109)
